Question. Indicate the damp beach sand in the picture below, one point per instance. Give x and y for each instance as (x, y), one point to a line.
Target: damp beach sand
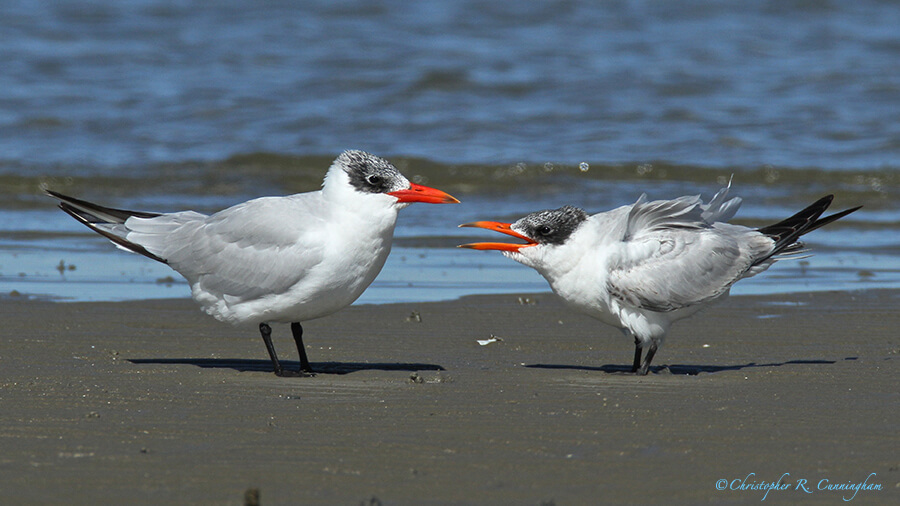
(152, 402)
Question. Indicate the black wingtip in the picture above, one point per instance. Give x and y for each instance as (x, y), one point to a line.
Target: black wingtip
(830, 218)
(786, 232)
(88, 214)
(89, 210)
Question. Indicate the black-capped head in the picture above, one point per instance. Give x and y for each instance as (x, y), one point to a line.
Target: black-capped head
(371, 174)
(552, 227)
(356, 172)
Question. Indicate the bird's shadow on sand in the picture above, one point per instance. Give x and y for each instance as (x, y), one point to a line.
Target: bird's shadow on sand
(244, 365)
(682, 369)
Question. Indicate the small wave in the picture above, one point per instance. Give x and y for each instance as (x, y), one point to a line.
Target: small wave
(256, 173)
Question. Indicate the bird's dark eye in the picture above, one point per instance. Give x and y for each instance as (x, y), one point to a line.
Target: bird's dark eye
(544, 230)
(374, 180)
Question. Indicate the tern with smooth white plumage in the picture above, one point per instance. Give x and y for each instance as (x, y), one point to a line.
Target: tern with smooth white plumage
(283, 259)
(643, 266)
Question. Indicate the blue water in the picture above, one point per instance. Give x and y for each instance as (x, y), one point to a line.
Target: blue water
(164, 105)
(733, 83)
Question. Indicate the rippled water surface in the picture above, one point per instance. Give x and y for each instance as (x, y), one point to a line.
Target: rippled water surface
(165, 106)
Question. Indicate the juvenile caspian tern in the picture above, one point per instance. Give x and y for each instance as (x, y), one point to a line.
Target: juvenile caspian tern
(275, 259)
(643, 266)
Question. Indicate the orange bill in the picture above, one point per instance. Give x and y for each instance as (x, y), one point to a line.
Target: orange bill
(419, 193)
(503, 228)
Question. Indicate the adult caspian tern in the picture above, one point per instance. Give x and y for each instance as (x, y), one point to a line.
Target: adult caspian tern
(275, 259)
(643, 266)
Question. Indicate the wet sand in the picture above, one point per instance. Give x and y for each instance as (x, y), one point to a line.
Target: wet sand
(155, 403)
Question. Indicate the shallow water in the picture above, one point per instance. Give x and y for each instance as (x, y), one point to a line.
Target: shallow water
(167, 106)
(45, 253)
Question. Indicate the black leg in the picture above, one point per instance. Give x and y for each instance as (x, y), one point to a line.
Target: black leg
(266, 331)
(645, 367)
(637, 355)
(297, 330)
